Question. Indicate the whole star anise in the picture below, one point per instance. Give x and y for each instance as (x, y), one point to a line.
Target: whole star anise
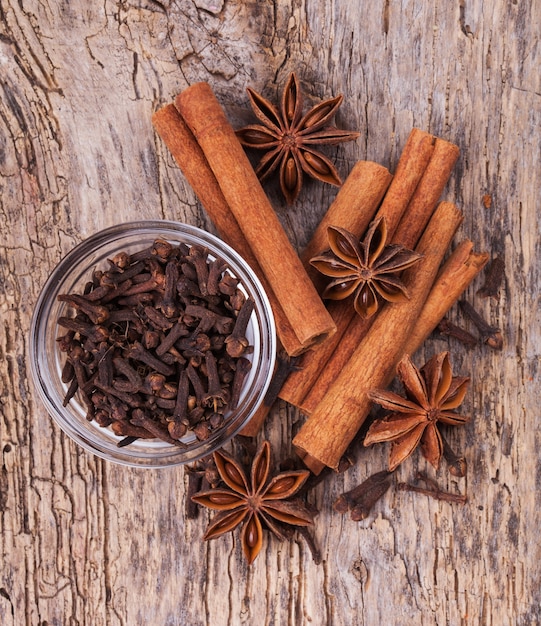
(432, 394)
(254, 501)
(369, 269)
(289, 138)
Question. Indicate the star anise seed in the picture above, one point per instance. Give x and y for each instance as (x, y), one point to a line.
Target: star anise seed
(254, 501)
(432, 394)
(289, 138)
(369, 269)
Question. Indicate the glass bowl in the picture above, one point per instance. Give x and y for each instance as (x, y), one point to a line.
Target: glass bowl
(47, 360)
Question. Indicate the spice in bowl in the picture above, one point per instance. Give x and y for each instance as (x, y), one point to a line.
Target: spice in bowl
(157, 345)
(152, 344)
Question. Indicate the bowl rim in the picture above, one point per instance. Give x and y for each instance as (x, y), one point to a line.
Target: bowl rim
(175, 232)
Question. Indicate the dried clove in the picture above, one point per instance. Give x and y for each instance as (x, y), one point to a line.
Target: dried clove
(168, 303)
(195, 480)
(181, 405)
(177, 331)
(216, 269)
(236, 343)
(96, 313)
(138, 353)
(157, 319)
(242, 368)
(457, 464)
(215, 396)
(68, 373)
(491, 335)
(86, 329)
(139, 418)
(360, 500)
(133, 379)
(209, 319)
(494, 276)
(432, 490)
(445, 327)
(198, 257)
(123, 428)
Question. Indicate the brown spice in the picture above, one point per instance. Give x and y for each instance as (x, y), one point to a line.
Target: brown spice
(360, 500)
(493, 279)
(330, 429)
(369, 270)
(448, 328)
(432, 395)
(254, 499)
(289, 138)
(457, 464)
(432, 490)
(491, 335)
(188, 154)
(138, 365)
(353, 209)
(458, 271)
(420, 166)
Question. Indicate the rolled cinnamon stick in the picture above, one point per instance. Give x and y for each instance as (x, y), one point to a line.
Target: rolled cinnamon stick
(306, 387)
(325, 436)
(352, 209)
(354, 205)
(244, 195)
(335, 363)
(455, 276)
(427, 193)
(190, 158)
(410, 170)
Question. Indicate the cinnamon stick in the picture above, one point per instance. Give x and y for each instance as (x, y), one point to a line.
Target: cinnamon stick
(354, 206)
(325, 436)
(427, 192)
(457, 273)
(410, 170)
(176, 135)
(306, 387)
(352, 209)
(257, 219)
(335, 363)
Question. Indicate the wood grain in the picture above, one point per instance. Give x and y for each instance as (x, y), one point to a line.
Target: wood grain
(83, 541)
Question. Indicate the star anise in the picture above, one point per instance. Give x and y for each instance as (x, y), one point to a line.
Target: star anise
(254, 501)
(369, 269)
(432, 394)
(290, 138)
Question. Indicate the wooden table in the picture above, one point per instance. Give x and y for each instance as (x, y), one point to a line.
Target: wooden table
(84, 541)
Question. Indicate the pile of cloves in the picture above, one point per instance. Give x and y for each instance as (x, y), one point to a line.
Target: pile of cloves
(156, 344)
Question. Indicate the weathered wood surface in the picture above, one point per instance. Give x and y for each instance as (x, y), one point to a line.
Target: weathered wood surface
(88, 542)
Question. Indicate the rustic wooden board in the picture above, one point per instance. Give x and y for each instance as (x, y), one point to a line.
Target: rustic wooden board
(87, 542)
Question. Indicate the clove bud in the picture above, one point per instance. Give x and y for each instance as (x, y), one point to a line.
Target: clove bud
(360, 500)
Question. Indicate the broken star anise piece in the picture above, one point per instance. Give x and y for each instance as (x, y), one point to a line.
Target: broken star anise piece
(254, 501)
(432, 395)
(289, 138)
(369, 269)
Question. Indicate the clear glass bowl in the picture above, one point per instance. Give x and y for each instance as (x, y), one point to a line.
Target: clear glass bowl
(47, 360)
